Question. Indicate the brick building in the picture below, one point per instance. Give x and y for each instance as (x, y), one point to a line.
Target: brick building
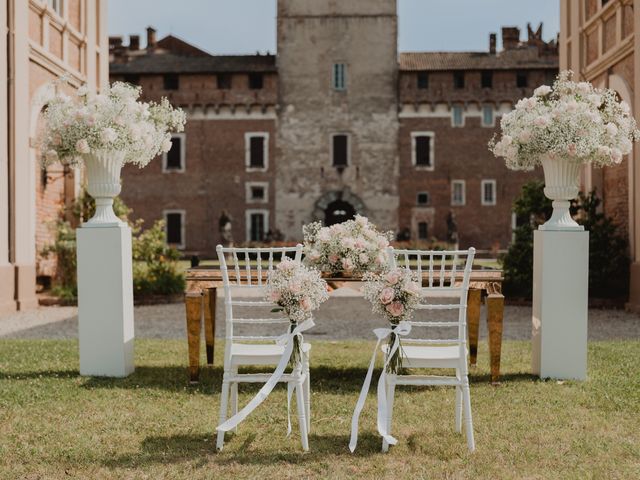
(41, 40)
(598, 43)
(331, 126)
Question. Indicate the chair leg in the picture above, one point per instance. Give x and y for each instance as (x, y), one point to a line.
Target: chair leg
(468, 422)
(391, 390)
(224, 400)
(307, 392)
(234, 401)
(302, 421)
(458, 409)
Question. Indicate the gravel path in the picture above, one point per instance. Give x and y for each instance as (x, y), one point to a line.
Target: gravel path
(342, 317)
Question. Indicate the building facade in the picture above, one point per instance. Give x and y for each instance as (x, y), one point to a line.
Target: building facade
(598, 43)
(336, 123)
(41, 40)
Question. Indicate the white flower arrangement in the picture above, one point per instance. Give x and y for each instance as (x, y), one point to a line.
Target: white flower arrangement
(111, 120)
(570, 120)
(395, 296)
(352, 247)
(297, 291)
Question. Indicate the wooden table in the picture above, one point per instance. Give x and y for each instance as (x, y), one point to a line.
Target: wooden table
(201, 296)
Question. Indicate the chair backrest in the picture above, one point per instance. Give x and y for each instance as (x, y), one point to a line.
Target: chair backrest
(445, 275)
(245, 274)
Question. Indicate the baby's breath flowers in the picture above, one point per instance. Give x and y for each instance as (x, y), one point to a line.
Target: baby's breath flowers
(570, 120)
(111, 120)
(352, 247)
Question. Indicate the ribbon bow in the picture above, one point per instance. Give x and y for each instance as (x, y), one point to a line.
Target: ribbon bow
(264, 392)
(403, 328)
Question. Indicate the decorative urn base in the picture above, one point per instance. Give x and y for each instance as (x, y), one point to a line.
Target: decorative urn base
(103, 184)
(561, 178)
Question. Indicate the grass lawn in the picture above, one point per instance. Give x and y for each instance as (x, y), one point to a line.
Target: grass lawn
(55, 424)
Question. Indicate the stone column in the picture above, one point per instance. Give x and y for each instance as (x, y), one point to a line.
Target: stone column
(560, 304)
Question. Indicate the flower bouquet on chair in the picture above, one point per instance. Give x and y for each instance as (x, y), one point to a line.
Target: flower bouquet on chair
(297, 291)
(353, 247)
(394, 295)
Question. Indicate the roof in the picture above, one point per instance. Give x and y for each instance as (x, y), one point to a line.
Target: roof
(179, 46)
(522, 58)
(165, 62)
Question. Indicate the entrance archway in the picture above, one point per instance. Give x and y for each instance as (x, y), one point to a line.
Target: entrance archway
(337, 206)
(338, 211)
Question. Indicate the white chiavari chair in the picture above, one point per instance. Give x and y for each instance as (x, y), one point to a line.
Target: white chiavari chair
(245, 275)
(445, 276)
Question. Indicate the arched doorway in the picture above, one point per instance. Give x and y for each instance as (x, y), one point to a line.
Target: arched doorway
(338, 211)
(337, 206)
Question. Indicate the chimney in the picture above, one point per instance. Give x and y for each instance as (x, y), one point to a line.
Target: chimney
(134, 42)
(510, 37)
(492, 43)
(115, 43)
(151, 37)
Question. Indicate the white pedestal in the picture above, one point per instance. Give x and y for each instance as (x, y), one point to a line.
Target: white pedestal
(105, 301)
(560, 304)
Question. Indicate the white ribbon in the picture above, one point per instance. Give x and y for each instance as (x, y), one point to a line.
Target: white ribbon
(403, 328)
(287, 340)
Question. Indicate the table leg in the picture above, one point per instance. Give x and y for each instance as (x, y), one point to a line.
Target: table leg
(473, 322)
(210, 321)
(495, 318)
(193, 304)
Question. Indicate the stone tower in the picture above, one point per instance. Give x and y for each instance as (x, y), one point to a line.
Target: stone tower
(337, 140)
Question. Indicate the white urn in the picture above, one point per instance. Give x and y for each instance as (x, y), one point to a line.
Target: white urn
(102, 169)
(562, 183)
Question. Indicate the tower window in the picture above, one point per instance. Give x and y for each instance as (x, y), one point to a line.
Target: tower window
(224, 81)
(256, 151)
(174, 159)
(174, 227)
(422, 198)
(422, 149)
(340, 150)
(339, 77)
(423, 230)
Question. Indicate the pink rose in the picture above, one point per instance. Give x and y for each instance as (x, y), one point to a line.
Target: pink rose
(386, 296)
(571, 149)
(383, 242)
(333, 259)
(364, 258)
(616, 155)
(396, 309)
(392, 277)
(314, 255)
(305, 304)
(295, 288)
(359, 243)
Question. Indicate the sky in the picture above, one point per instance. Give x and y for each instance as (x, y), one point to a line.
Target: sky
(249, 26)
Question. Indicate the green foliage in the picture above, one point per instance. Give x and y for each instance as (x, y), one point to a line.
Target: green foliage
(532, 209)
(608, 247)
(155, 267)
(155, 264)
(608, 250)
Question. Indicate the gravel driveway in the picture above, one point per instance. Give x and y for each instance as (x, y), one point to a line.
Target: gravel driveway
(343, 317)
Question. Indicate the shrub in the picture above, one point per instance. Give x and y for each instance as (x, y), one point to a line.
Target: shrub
(532, 209)
(155, 271)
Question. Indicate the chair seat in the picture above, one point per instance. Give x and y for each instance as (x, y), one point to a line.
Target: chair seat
(428, 356)
(259, 353)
